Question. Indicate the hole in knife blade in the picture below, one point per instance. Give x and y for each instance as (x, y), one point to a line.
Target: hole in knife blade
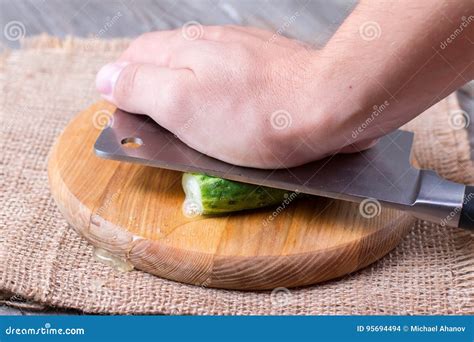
(132, 142)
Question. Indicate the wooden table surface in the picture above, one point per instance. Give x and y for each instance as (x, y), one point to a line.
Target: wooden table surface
(315, 20)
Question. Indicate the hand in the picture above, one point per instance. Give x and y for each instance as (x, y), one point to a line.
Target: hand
(254, 98)
(242, 95)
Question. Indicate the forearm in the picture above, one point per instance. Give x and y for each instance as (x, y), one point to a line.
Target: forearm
(399, 56)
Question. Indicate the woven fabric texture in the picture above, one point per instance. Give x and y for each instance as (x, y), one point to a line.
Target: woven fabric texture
(43, 260)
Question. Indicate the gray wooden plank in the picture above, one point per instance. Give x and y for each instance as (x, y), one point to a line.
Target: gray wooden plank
(315, 20)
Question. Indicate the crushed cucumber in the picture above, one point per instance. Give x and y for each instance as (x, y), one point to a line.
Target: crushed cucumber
(213, 195)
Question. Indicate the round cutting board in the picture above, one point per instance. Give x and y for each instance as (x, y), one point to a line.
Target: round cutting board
(135, 212)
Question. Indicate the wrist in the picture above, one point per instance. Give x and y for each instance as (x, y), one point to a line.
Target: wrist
(343, 99)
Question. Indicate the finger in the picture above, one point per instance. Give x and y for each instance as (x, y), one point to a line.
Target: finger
(153, 47)
(161, 49)
(164, 47)
(146, 89)
(228, 33)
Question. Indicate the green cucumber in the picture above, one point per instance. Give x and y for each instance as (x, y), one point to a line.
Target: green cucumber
(213, 195)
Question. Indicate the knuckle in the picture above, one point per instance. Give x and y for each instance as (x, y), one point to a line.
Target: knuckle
(177, 35)
(144, 38)
(175, 94)
(138, 42)
(174, 90)
(176, 104)
(216, 32)
(238, 51)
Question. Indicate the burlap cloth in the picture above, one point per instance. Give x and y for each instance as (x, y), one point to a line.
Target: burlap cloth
(43, 260)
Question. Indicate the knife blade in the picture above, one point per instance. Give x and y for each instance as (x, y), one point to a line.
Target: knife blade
(383, 173)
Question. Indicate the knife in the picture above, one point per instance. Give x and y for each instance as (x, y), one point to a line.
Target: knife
(383, 173)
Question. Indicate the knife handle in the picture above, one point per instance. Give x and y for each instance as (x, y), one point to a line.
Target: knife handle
(467, 212)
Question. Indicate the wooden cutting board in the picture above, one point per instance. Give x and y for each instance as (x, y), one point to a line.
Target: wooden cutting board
(135, 212)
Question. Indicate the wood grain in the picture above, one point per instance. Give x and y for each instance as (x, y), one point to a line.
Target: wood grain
(134, 211)
(314, 22)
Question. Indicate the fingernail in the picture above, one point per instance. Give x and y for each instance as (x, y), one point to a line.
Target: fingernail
(107, 77)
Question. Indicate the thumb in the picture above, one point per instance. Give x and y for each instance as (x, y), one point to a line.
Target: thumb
(144, 89)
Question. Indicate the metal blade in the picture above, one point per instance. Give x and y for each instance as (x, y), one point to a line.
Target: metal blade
(384, 172)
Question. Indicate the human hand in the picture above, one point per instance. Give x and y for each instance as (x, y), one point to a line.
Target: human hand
(242, 95)
(254, 98)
